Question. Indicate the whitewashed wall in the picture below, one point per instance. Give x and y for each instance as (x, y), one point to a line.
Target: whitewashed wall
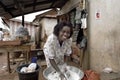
(47, 26)
(104, 34)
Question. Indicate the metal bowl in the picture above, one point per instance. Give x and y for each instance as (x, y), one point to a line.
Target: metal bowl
(49, 70)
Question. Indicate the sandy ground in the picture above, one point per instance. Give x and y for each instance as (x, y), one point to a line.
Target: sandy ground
(4, 75)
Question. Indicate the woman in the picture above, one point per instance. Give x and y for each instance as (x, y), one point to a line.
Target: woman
(58, 45)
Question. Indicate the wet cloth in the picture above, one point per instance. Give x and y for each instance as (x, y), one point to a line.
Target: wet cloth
(53, 50)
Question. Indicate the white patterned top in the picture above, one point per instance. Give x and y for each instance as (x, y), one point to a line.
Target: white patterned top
(53, 50)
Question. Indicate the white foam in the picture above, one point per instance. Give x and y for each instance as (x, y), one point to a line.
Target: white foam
(70, 75)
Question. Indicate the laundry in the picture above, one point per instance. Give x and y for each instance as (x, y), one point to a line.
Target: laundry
(70, 75)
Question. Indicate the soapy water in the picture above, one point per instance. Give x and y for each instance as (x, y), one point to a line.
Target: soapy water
(70, 75)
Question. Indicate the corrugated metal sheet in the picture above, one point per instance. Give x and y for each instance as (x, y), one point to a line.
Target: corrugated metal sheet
(14, 8)
(14, 24)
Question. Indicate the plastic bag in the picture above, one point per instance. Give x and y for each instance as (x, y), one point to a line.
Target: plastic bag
(91, 75)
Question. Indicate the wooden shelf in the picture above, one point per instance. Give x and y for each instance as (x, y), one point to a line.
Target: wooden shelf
(9, 43)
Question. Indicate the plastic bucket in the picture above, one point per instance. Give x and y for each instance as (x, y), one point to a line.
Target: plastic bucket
(28, 76)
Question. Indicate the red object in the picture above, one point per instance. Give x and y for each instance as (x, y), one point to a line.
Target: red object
(91, 75)
(97, 15)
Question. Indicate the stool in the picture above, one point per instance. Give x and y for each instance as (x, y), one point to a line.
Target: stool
(18, 56)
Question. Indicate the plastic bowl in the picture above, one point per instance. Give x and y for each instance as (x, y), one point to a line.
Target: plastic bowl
(49, 70)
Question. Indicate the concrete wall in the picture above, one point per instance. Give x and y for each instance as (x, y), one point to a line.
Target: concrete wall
(47, 26)
(104, 34)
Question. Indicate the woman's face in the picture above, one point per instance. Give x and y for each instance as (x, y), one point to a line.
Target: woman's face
(64, 33)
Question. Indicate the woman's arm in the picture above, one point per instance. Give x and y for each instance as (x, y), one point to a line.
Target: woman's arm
(67, 59)
(54, 65)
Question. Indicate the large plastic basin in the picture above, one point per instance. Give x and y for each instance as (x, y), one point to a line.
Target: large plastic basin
(49, 70)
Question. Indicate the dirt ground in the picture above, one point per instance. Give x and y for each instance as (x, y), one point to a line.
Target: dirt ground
(4, 75)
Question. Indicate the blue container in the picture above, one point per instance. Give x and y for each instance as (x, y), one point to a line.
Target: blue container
(34, 60)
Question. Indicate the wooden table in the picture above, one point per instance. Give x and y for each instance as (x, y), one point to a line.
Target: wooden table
(12, 48)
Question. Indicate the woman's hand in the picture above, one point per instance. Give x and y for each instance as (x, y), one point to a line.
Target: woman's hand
(62, 76)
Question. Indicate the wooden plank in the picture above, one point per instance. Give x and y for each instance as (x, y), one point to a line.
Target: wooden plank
(10, 43)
